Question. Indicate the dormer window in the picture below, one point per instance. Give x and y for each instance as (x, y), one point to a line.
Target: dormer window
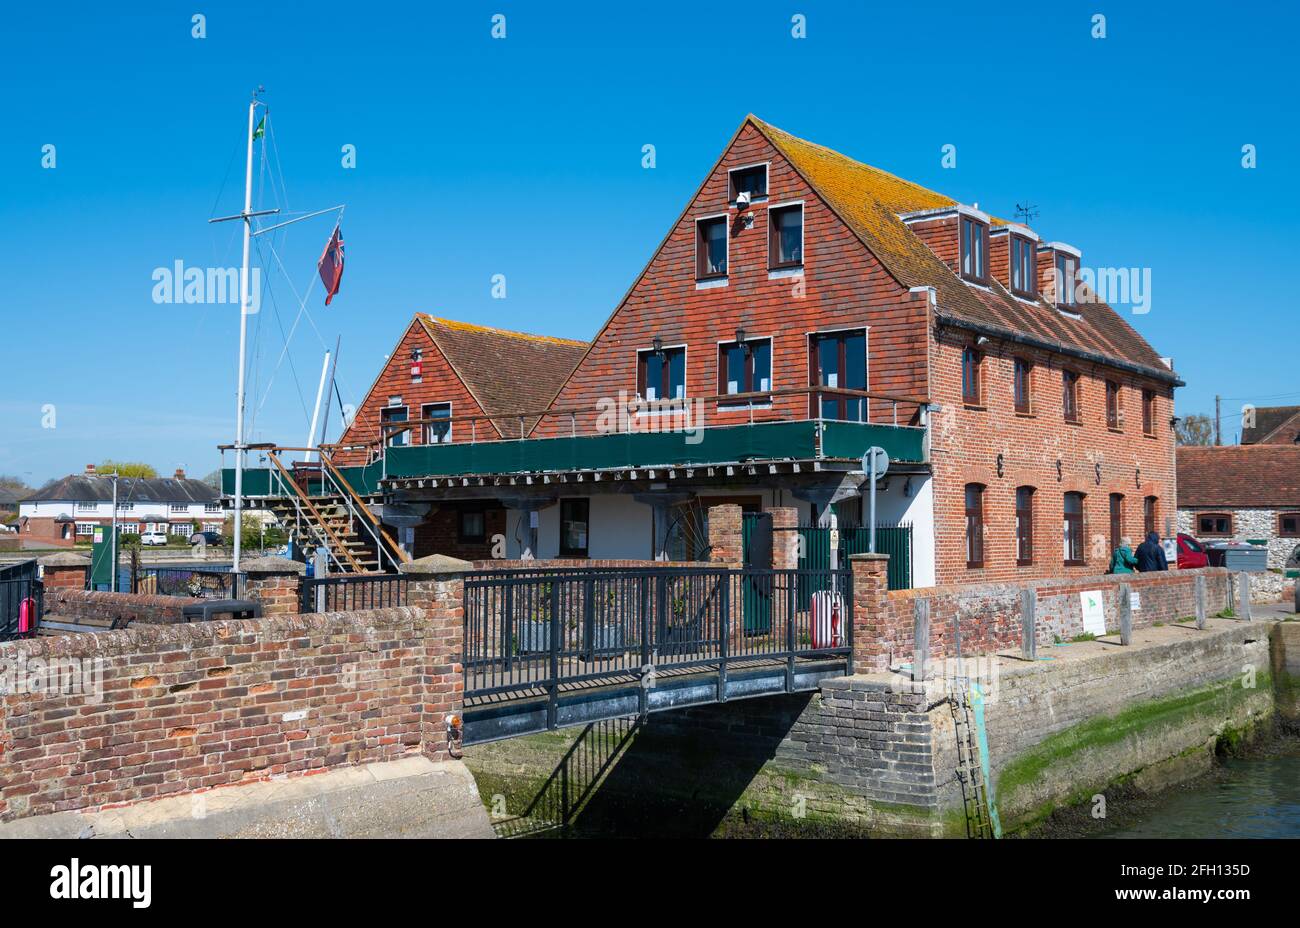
(751, 180)
(1066, 269)
(711, 248)
(1024, 267)
(974, 250)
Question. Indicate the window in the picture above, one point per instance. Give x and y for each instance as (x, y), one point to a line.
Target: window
(1148, 516)
(970, 376)
(211, 507)
(394, 413)
(1067, 267)
(974, 250)
(87, 507)
(1114, 411)
(1070, 395)
(785, 236)
(125, 507)
(661, 374)
(1116, 519)
(745, 368)
(974, 525)
(183, 528)
(1024, 266)
(1021, 386)
(436, 433)
(1148, 412)
(751, 180)
(1288, 524)
(472, 526)
(1073, 529)
(211, 526)
(179, 507)
(1024, 526)
(839, 360)
(711, 248)
(573, 527)
(85, 528)
(1214, 523)
(129, 528)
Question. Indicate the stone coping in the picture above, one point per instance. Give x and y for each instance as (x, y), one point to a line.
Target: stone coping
(273, 565)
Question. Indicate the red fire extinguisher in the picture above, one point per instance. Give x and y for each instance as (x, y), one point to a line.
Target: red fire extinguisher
(26, 614)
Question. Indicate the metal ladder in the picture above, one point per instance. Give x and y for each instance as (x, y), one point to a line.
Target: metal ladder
(969, 774)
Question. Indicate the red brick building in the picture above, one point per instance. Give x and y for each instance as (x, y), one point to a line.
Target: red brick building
(1029, 423)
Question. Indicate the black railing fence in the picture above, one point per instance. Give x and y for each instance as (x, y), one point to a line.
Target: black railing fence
(22, 600)
(196, 582)
(353, 592)
(539, 630)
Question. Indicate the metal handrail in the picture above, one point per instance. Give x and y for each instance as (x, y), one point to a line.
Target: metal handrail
(320, 520)
(373, 525)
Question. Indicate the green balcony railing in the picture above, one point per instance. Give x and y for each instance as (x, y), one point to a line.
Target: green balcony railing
(768, 441)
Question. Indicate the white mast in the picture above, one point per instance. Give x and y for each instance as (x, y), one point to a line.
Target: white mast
(244, 300)
(315, 413)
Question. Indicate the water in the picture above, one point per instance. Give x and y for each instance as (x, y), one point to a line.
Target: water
(1254, 797)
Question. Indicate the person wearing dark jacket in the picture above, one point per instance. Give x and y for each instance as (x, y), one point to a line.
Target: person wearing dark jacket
(1151, 555)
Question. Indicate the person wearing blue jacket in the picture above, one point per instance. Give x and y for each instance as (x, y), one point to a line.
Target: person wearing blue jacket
(1151, 555)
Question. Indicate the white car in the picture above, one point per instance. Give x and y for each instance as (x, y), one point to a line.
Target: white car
(153, 538)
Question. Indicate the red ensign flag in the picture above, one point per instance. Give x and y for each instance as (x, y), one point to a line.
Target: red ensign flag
(330, 265)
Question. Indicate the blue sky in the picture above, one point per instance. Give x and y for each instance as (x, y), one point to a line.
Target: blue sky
(478, 157)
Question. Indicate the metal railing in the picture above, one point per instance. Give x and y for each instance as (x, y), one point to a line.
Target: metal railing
(541, 631)
(21, 592)
(353, 592)
(196, 582)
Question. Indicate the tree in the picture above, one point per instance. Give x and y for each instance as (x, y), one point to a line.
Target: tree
(213, 480)
(127, 469)
(11, 482)
(1196, 429)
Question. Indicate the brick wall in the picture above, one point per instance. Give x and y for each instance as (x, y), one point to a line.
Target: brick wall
(77, 604)
(967, 442)
(989, 614)
(190, 707)
(726, 538)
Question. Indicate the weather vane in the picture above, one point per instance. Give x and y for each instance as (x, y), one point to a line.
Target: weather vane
(1026, 212)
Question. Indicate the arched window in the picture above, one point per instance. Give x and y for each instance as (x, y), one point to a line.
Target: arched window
(1024, 526)
(974, 525)
(1073, 530)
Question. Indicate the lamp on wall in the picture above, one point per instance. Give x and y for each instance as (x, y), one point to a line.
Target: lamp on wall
(658, 345)
(740, 340)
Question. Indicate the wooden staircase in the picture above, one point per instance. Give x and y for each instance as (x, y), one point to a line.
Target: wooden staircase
(324, 510)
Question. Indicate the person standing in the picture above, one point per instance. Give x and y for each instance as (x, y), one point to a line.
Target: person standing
(1122, 560)
(1151, 555)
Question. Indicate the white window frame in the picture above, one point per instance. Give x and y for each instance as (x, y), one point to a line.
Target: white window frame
(388, 441)
(424, 429)
(83, 506)
(761, 198)
(89, 528)
(788, 269)
(211, 507)
(705, 283)
(686, 376)
(771, 376)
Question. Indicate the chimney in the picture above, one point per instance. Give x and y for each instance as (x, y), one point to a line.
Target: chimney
(90, 470)
(180, 473)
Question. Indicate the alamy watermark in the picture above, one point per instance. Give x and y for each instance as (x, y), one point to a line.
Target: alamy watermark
(55, 676)
(199, 285)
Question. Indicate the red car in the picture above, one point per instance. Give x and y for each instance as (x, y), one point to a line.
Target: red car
(1191, 553)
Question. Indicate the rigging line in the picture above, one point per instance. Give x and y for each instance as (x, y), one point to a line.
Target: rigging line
(302, 306)
(278, 169)
(276, 309)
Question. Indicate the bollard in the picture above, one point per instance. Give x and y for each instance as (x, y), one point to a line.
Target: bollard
(1125, 614)
(921, 640)
(1028, 625)
(1245, 595)
(1232, 595)
(1200, 601)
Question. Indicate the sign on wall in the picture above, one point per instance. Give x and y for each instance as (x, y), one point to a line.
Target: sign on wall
(1094, 614)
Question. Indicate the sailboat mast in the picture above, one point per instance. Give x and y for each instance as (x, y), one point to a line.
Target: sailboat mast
(244, 302)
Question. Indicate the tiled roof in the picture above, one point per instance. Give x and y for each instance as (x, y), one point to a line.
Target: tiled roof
(870, 202)
(83, 488)
(1275, 425)
(1239, 476)
(505, 371)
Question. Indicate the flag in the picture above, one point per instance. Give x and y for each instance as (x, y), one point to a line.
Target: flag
(330, 265)
(260, 130)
